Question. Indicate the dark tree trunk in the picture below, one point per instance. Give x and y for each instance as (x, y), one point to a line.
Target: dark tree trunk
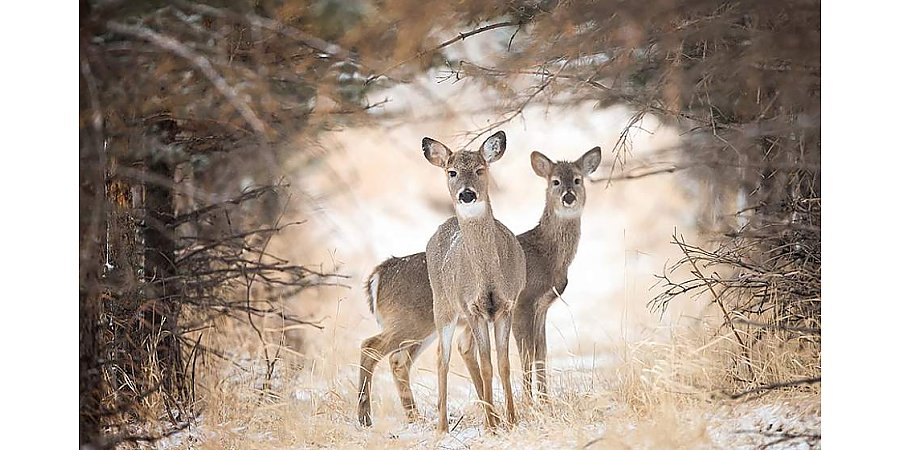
(90, 393)
(160, 271)
(92, 218)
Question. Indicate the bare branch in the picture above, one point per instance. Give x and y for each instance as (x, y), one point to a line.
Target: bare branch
(306, 39)
(198, 61)
(248, 195)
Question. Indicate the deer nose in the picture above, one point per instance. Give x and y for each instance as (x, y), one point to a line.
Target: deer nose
(568, 198)
(467, 196)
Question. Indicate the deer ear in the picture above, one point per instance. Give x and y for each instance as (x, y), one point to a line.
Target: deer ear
(435, 152)
(590, 161)
(494, 147)
(541, 164)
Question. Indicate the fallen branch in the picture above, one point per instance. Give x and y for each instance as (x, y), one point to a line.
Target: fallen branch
(769, 326)
(115, 441)
(770, 387)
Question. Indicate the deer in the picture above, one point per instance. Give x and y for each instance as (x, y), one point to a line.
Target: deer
(476, 270)
(400, 297)
(549, 248)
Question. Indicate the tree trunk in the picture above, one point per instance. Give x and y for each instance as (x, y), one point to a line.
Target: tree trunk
(92, 222)
(160, 271)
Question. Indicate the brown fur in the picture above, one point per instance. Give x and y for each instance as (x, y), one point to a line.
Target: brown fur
(407, 326)
(549, 250)
(476, 269)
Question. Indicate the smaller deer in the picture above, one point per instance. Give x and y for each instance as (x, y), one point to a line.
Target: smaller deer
(400, 296)
(549, 249)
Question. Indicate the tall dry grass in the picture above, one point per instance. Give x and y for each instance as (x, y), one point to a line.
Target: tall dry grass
(646, 393)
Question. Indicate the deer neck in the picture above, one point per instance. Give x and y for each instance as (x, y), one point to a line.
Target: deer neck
(479, 238)
(559, 236)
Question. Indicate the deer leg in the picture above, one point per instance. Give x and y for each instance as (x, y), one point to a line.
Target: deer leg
(371, 351)
(480, 329)
(445, 340)
(527, 355)
(501, 338)
(523, 330)
(540, 354)
(469, 356)
(401, 362)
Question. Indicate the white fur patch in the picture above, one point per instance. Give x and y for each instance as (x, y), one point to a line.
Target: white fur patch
(447, 339)
(567, 213)
(373, 291)
(470, 210)
(453, 243)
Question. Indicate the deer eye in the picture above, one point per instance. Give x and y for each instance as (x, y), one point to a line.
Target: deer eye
(480, 171)
(556, 182)
(452, 173)
(578, 181)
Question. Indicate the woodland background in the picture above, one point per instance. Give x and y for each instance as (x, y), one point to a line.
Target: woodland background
(198, 255)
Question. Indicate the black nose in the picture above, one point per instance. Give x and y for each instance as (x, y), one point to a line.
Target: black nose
(467, 196)
(569, 198)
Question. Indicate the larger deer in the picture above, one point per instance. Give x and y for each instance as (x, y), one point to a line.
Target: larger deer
(476, 269)
(400, 297)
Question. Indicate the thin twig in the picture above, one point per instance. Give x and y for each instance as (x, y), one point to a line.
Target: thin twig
(519, 110)
(457, 423)
(745, 350)
(447, 43)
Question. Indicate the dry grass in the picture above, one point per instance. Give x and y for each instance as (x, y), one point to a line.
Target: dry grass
(643, 394)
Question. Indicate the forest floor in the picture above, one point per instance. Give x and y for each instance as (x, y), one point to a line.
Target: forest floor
(605, 405)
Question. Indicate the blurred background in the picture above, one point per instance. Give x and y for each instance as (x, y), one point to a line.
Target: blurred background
(245, 165)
